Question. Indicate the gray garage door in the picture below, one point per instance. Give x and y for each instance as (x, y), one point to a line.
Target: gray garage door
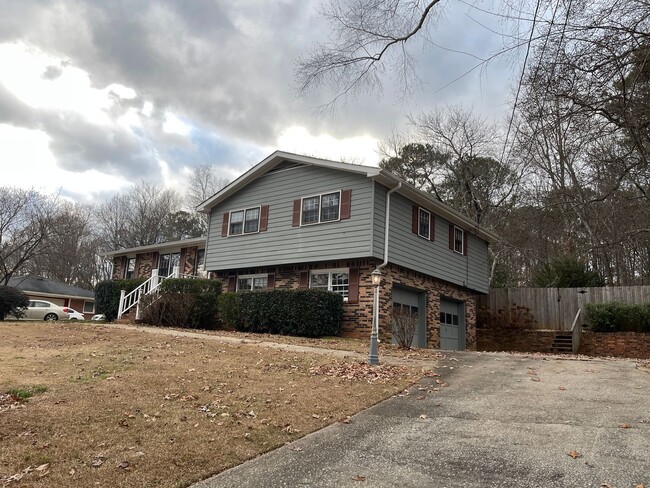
(412, 302)
(452, 325)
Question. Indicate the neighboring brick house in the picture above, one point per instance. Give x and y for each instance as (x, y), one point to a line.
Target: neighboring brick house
(36, 288)
(295, 221)
(138, 262)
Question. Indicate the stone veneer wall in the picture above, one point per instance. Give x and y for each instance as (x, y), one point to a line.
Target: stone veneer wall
(618, 344)
(357, 318)
(119, 262)
(187, 265)
(145, 263)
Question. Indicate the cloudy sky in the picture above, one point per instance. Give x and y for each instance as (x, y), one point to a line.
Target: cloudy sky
(97, 95)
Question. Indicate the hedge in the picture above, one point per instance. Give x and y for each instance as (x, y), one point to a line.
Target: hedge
(308, 313)
(201, 295)
(615, 317)
(107, 295)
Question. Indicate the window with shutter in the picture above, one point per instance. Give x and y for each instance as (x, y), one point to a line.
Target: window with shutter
(318, 209)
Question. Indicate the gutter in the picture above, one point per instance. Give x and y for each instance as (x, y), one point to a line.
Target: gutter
(387, 224)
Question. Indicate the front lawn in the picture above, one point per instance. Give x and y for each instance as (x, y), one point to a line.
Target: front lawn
(109, 407)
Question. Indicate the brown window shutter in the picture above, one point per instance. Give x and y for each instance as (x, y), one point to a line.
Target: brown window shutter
(451, 236)
(270, 281)
(154, 260)
(353, 286)
(296, 213)
(232, 283)
(264, 218)
(432, 228)
(304, 279)
(137, 266)
(465, 243)
(224, 226)
(415, 221)
(346, 201)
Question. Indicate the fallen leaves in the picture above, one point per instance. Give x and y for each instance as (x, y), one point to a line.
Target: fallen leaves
(624, 425)
(358, 478)
(357, 371)
(574, 454)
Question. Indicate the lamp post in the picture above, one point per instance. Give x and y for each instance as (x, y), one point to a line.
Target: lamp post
(373, 356)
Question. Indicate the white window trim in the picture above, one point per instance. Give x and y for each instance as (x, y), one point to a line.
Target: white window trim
(329, 272)
(84, 307)
(420, 209)
(320, 207)
(462, 243)
(252, 276)
(244, 233)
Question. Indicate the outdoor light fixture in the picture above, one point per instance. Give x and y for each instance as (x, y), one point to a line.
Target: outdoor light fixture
(373, 356)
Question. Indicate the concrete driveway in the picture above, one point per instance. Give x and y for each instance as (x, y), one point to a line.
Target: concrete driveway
(503, 421)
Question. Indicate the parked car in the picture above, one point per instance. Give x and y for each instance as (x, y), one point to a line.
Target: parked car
(99, 316)
(74, 315)
(42, 310)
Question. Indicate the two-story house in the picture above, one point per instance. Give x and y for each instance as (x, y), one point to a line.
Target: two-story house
(294, 221)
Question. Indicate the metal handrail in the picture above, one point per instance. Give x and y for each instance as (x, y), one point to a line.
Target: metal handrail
(576, 333)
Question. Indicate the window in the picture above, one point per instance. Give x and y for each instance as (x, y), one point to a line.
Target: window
(244, 221)
(89, 307)
(424, 223)
(321, 208)
(459, 240)
(252, 282)
(336, 280)
(168, 262)
(200, 260)
(130, 268)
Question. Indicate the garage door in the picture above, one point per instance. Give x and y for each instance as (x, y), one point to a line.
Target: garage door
(452, 325)
(411, 302)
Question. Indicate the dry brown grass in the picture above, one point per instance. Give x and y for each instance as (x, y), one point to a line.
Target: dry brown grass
(125, 408)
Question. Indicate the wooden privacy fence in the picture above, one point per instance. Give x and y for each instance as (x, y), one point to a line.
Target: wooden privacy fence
(555, 308)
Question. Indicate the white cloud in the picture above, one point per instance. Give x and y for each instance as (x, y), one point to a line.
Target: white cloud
(174, 125)
(28, 162)
(357, 149)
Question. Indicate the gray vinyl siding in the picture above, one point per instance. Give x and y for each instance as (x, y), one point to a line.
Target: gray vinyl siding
(282, 243)
(430, 257)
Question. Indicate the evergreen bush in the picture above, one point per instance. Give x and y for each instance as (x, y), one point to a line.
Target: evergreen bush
(307, 313)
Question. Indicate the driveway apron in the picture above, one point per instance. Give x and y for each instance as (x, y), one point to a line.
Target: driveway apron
(502, 421)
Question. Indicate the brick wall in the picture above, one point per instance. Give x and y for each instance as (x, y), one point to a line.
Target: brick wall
(357, 318)
(187, 264)
(515, 340)
(618, 344)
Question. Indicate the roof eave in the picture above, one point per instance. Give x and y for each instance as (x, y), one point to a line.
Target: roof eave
(445, 211)
(153, 247)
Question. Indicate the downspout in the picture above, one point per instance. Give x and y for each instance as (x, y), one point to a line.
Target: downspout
(386, 227)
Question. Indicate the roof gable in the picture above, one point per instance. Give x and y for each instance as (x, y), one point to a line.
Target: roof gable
(281, 160)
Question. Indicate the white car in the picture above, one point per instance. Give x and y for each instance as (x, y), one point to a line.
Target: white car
(74, 315)
(44, 310)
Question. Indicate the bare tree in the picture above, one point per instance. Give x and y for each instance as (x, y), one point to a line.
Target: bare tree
(70, 254)
(203, 183)
(26, 222)
(136, 217)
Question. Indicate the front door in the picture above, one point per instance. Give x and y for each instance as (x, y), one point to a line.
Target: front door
(452, 325)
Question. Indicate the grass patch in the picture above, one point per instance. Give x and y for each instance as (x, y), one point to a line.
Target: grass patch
(167, 411)
(22, 394)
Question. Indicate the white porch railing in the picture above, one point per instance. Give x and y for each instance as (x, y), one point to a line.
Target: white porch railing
(132, 299)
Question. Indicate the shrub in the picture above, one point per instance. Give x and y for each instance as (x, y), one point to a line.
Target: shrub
(107, 295)
(404, 325)
(615, 317)
(517, 317)
(12, 302)
(182, 303)
(309, 313)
